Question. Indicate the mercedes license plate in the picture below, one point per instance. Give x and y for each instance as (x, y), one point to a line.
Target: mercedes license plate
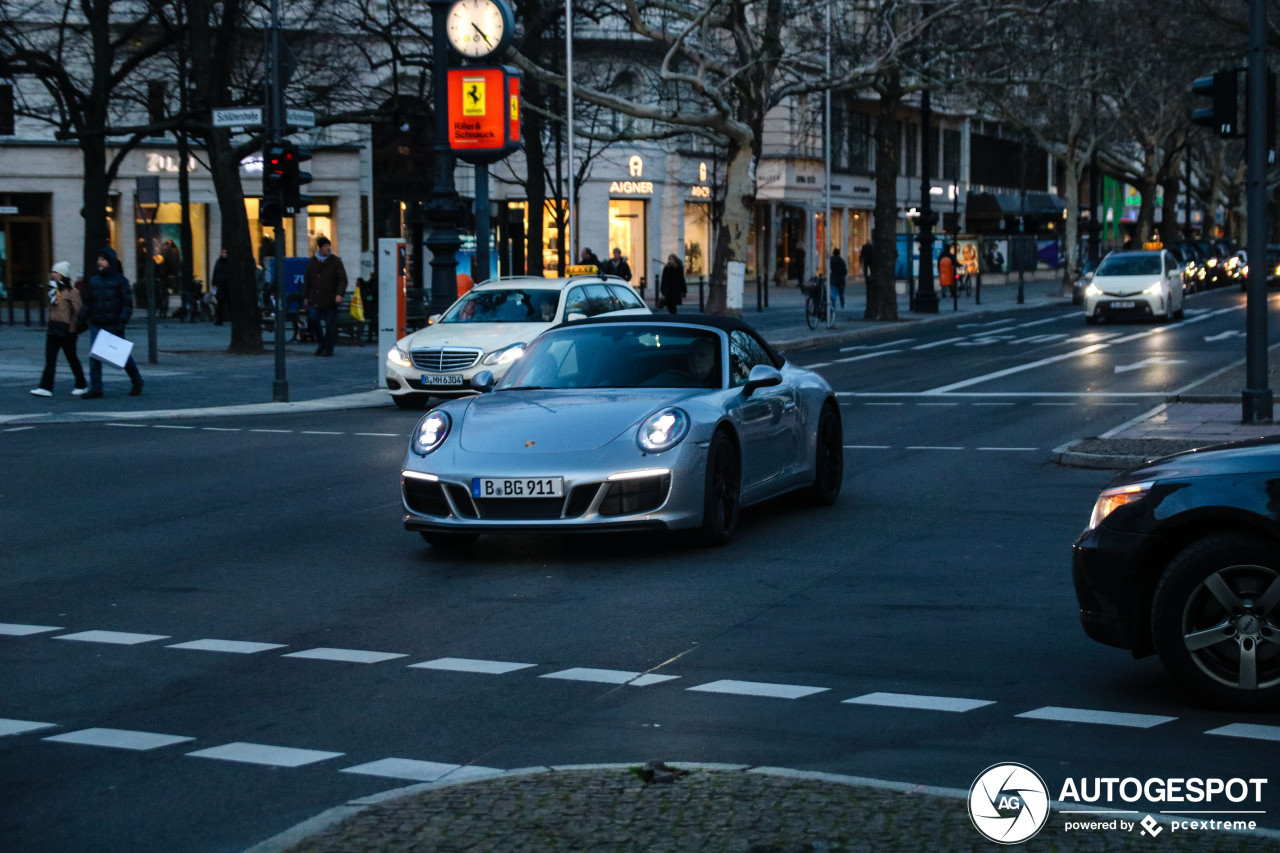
(1129, 303)
(442, 379)
(517, 487)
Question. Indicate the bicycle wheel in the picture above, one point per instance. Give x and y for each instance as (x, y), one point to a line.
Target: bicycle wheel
(811, 312)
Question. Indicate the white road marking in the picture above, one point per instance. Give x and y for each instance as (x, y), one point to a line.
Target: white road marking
(1102, 718)
(17, 727)
(1147, 362)
(603, 676)
(129, 426)
(1221, 336)
(931, 447)
(221, 429)
(12, 630)
(981, 325)
(487, 667)
(422, 771)
(120, 638)
(866, 356)
(995, 404)
(867, 446)
(238, 647)
(1247, 730)
(170, 426)
(282, 431)
(1009, 371)
(119, 739)
(1014, 449)
(1054, 404)
(257, 753)
(937, 404)
(17, 429)
(382, 434)
(1040, 339)
(1046, 320)
(923, 703)
(345, 655)
(319, 432)
(877, 346)
(886, 404)
(758, 688)
(650, 678)
(942, 342)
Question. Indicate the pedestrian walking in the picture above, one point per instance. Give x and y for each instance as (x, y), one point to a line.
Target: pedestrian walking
(324, 283)
(867, 259)
(673, 285)
(221, 280)
(617, 265)
(839, 275)
(590, 257)
(172, 276)
(108, 305)
(61, 334)
(947, 269)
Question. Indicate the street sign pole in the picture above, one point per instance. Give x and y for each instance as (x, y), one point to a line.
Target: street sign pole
(1256, 403)
(444, 206)
(275, 132)
(147, 191)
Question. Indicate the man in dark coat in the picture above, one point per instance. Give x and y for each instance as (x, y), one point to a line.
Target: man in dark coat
(324, 285)
(108, 305)
(617, 265)
(221, 284)
(673, 287)
(839, 275)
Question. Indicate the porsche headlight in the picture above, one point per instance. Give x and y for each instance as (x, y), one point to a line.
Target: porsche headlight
(399, 358)
(431, 432)
(1112, 499)
(663, 430)
(506, 355)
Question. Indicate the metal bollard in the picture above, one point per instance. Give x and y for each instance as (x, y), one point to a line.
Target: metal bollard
(759, 295)
(701, 303)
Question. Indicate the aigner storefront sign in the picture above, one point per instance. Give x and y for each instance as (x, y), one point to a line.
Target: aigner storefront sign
(635, 165)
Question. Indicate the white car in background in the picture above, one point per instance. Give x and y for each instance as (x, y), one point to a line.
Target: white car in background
(1135, 285)
(489, 327)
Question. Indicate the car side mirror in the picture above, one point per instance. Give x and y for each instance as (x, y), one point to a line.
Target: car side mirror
(762, 376)
(575, 315)
(483, 381)
(433, 319)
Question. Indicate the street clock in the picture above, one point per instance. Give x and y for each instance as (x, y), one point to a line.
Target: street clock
(480, 28)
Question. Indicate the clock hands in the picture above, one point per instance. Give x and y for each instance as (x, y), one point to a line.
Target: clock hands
(476, 27)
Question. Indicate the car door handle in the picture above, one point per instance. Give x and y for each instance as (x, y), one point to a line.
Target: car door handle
(789, 405)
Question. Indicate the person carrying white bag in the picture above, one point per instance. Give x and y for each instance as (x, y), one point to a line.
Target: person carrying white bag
(108, 304)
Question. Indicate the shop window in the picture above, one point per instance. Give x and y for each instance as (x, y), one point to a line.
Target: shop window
(320, 218)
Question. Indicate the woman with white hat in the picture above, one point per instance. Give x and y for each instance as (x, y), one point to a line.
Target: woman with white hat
(61, 334)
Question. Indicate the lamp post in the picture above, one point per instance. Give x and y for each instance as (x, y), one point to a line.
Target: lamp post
(443, 209)
(568, 79)
(1256, 402)
(1022, 218)
(926, 301)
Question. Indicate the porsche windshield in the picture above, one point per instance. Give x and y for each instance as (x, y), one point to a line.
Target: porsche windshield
(616, 356)
(504, 306)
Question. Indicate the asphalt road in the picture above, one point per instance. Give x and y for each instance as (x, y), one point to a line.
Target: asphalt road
(939, 581)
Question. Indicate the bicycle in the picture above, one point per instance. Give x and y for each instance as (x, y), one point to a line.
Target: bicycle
(817, 303)
(964, 283)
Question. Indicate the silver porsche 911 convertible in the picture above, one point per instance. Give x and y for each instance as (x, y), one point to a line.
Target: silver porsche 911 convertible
(624, 423)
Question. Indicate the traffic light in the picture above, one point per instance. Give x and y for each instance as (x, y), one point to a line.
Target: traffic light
(1223, 88)
(274, 180)
(295, 179)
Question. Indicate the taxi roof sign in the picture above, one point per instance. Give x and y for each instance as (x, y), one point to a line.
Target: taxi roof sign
(582, 269)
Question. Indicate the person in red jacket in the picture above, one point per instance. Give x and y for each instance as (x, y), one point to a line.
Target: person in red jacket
(947, 269)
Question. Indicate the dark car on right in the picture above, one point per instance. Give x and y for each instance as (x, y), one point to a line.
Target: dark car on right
(1182, 559)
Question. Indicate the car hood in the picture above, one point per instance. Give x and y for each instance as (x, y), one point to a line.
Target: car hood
(1254, 456)
(484, 336)
(1124, 285)
(557, 421)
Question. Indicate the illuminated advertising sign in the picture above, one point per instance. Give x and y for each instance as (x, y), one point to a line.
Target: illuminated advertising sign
(484, 112)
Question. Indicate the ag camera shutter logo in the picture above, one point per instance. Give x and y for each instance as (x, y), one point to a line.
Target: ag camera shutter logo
(1008, 803)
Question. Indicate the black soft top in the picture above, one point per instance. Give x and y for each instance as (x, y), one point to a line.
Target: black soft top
(715, 321)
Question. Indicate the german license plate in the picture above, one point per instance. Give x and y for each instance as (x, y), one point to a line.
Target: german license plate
(442, 379)
(1123, 304)
(517, 487)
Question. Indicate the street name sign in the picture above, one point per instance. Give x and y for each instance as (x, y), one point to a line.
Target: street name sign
(299, 118)
(240, 117)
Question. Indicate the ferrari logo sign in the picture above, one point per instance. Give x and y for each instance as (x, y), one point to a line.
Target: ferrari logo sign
(473, 96)
(484, 112)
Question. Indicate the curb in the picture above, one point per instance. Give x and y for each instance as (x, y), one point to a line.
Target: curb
(360, 400)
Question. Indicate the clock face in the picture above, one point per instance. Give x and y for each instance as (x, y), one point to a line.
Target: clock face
(476, 27)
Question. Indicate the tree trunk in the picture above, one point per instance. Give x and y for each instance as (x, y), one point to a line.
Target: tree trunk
(242, 307)
(1146, 211)
(735, 228)
(1074, 168)
(1169, 231)
(94, 198)
(882, 294)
